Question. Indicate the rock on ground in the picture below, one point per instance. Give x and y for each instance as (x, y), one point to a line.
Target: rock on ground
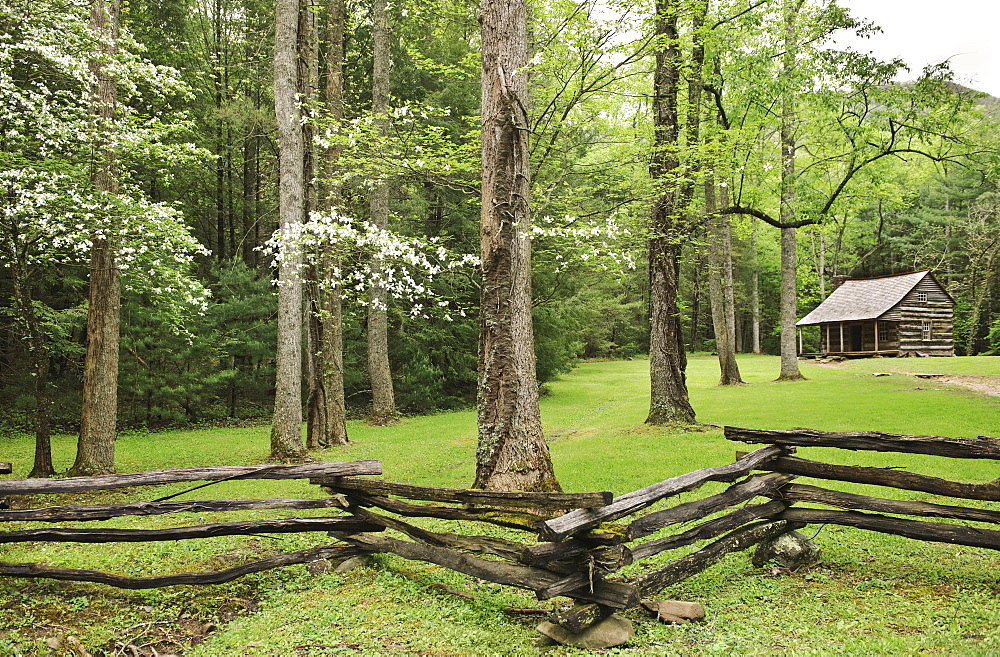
(606, 633)
(792, 550)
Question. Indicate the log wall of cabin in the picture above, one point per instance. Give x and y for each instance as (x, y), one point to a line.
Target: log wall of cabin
(912, 312)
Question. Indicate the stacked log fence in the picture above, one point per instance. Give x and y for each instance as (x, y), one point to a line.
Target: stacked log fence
(573, 545)
(849, 509)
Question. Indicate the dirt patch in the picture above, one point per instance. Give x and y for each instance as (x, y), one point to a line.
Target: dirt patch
(981, 383)
(988, 385)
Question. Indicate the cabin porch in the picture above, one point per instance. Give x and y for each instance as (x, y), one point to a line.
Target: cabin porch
(856, 339)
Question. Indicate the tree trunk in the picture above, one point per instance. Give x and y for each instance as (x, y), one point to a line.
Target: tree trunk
(789, 348)
(38, 352)
(754, 287)
(326, 415)
(721, 288)
(511, 452)
(668, 389)
(286, 429)
(96, 446)
(819, 259)
(728, 285)
(383, 400)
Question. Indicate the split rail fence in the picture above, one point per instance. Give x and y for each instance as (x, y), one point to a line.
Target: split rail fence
(574, 543)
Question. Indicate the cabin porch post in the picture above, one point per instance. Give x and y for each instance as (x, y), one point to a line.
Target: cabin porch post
(841, 337)
(876, 336)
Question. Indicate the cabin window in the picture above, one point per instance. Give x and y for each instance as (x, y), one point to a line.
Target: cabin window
(922, 297)
(925, 330)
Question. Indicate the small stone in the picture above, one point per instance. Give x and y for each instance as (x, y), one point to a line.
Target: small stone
(319, 567)
(545, 642)
(791, 549)
(675, 611)
(54, 643)
(350, 564)
(76, 648)
(670, 619)
(606, 633)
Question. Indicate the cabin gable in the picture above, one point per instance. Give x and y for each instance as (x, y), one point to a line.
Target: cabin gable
(926, 317)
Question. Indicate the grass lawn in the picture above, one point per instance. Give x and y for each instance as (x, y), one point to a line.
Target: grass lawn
(872, 594)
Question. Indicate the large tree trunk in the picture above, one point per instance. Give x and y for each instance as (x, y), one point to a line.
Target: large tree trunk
(789, 349)
(96, 447)
(668, 389)
(379, 374)
(511, 453)
(327, 417)
(286, 429)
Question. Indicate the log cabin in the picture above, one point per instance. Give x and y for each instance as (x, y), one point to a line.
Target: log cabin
(900, 315)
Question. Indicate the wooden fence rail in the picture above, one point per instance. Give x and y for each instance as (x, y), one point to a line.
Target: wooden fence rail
(572, 545)
(849, 507)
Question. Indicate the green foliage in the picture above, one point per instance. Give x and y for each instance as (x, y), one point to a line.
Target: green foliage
(434, 363)
(220, 367)
(994, 339)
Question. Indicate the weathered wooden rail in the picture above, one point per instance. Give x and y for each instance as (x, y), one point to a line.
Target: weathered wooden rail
(22, 487)
(573, 545)
(848, 508)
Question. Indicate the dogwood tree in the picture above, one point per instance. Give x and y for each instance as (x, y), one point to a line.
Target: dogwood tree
(51, 212)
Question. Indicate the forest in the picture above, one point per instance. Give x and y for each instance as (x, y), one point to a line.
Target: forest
(698, 173)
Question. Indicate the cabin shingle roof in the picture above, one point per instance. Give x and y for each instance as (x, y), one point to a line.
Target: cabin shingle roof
(863, 298)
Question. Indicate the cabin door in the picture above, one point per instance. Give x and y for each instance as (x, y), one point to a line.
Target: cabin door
(856, 344)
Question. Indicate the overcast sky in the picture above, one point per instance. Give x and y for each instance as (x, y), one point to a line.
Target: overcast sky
(928, 31)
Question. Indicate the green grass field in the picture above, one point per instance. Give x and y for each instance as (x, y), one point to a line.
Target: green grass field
(872, 594)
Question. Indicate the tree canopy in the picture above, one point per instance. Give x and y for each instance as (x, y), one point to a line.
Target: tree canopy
(668, 146)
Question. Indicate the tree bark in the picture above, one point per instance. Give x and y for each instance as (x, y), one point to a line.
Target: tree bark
(721, 288)
(326, 423)
(789, 349)
(754, 287)
(96, 446)
(379, 373)
(38, 358)
(511, 452)
(286, 429)
(719, 239)
(668, 388)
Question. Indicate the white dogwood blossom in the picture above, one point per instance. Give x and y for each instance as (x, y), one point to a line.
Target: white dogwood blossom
(602, 245)
(407, 267)
(49, 211)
